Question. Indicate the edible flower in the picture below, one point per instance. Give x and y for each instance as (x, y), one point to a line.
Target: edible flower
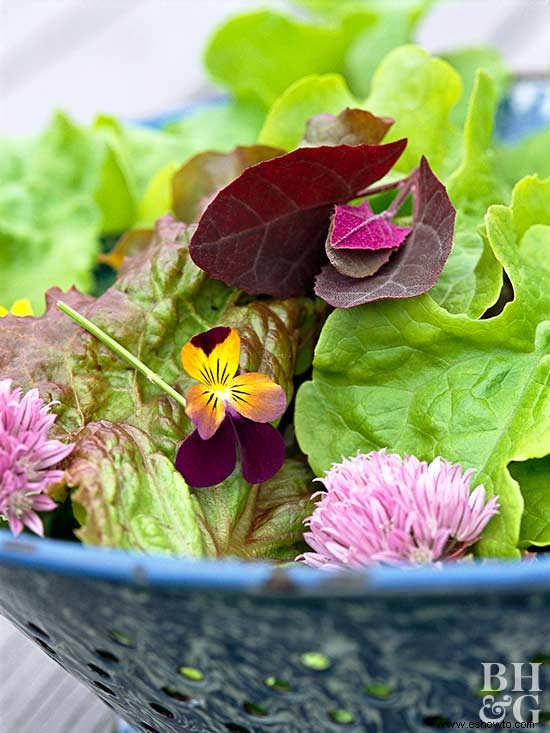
(228, 409)
(21, 307)
(27, 458)
(381, 508)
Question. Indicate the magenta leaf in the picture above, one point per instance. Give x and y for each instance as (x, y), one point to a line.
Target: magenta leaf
(358, 227)
(265, 232)
(413, 268)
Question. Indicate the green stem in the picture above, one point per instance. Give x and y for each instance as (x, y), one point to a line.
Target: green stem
(120, 351)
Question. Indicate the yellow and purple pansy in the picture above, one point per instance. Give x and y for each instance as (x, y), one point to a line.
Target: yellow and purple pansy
(228, 409)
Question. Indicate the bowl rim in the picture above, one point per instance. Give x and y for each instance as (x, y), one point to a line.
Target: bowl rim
(262, 578)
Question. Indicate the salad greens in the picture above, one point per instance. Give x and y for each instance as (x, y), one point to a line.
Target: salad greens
(349, 213)
(410, 375)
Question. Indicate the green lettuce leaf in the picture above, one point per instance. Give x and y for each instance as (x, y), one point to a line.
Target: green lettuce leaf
(534, 480)
(415, 378)
(49, 219)
(258, 55)
(130, 496)
(419, 91)
(527, 157)
(286, 120)
(472, 277)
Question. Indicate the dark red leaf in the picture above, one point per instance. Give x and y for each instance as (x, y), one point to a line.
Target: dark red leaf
(415, 267)
(265, 232)
(350, 127)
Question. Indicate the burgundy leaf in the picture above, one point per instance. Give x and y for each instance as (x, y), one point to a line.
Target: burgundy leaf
(358, 227)
(350, 127)
(415, 267)
(265, 232)
(199, 180)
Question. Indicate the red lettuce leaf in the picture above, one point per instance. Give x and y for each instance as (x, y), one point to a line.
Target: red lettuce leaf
(350, 127)
(199, 180)
(265, 232)
(415, 267)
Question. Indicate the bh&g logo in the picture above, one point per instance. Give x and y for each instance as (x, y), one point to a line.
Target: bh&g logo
(526, 681)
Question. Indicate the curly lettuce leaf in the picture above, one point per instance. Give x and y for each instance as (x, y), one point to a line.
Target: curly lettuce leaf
(130, 496)
(258, 55)
(315, 94)
(472, 278)
(126, 430)
(49, 219)
(419, 91)
(413, 377)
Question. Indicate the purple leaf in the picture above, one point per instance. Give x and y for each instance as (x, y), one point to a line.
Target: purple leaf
(415, 267)
(358, 227)
(265, 232)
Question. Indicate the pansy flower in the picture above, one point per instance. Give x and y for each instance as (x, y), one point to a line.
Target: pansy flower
(229, 409)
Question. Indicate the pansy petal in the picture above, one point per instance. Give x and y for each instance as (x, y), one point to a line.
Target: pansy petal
(257, 397)
(261, 447)
(224, 358)
(206, 409)
(208, 462)
(212, 357)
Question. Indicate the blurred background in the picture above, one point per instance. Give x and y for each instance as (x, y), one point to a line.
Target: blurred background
(136, 59)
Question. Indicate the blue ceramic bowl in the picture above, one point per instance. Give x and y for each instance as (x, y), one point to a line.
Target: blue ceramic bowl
(178, 645)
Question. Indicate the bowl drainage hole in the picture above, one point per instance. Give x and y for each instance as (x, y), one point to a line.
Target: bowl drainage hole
(236, 728)
(191, 673)
(161, 710)
(99, 671)
(342, 717)
(106, 656)
(38, 631)
(149, 728)
(103, 688)
(253, 709)
(274, 683)
(315, 660)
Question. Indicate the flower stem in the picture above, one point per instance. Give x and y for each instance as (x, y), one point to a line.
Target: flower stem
(120, 351)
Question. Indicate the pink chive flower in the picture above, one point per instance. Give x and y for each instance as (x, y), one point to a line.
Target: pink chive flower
(27, 458)
(381, 508)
